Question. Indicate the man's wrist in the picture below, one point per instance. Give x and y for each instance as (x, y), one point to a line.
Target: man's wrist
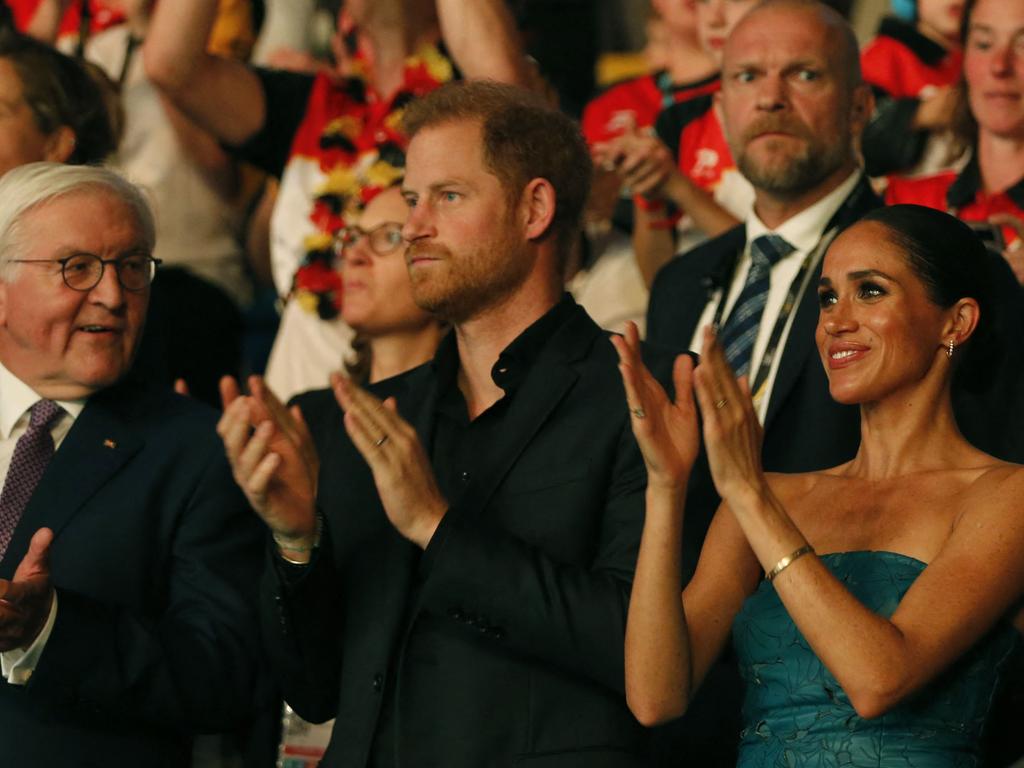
(298, 550)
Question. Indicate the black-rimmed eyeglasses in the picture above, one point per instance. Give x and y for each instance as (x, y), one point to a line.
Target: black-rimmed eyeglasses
(383, 239)
(83, 271)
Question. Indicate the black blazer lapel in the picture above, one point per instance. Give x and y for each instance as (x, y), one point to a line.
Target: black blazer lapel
(97, 447)
(550, 379)
(714, 276)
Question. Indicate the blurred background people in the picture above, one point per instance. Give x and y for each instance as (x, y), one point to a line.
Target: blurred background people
(392, 333)
(986, 187)
(913, 68)
(316, 131)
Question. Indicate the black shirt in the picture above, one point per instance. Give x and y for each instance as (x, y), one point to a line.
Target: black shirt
(459, 446)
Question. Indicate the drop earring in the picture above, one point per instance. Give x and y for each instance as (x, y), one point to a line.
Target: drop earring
(949, 350)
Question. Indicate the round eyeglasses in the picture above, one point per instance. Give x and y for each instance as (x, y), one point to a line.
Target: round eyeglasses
(83, 271)
(383, 239)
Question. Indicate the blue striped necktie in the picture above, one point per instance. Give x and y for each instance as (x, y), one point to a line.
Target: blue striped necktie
(740, 331)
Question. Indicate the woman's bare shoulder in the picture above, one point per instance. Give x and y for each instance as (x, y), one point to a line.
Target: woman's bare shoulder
(997, 481)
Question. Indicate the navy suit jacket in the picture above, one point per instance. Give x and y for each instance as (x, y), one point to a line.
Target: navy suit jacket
(503, 640)
(154, 561)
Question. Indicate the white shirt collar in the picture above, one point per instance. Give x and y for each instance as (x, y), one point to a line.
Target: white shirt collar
(16, 397)
(804, 230)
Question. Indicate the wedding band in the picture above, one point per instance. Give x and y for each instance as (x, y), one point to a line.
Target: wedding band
(381, 442)
(720, 404)
(638, 412)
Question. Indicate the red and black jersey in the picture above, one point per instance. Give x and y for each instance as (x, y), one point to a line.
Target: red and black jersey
(636, 103)
(903, 63)
(903, 67)
(694, 133)
(960, 194)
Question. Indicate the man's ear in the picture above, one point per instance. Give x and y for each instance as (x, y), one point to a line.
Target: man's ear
(60, 145)
(862, 106)
(3, 303)
(539, 208)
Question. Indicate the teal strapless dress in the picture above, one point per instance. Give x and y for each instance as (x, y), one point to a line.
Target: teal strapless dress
(795, 713)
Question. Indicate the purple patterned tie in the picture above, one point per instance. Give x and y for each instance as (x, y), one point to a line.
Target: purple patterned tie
(31, 455)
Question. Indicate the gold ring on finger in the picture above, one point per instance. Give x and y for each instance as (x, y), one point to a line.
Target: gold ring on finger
(720, 404)
(383, 439)
(638, 412)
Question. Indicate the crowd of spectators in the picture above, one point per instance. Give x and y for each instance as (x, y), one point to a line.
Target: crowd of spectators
(276, 178)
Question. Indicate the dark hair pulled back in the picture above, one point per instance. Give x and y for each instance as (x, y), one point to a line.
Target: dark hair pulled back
(953, 264)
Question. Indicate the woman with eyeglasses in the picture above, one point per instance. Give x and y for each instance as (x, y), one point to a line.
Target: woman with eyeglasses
(392, 333)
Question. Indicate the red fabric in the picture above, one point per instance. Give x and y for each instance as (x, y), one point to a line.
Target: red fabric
(892, 66)
(931, 191)
(346, 126)
(704, 154)
(632, 104)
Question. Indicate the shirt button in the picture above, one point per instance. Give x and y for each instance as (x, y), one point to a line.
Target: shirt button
(464, 476)
(378, 683)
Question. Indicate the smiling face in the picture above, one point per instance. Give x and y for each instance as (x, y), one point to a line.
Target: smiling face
(878, 332)
(378, 294)
(63, 343)
(994, 67)
(790, 109)
(466, 253)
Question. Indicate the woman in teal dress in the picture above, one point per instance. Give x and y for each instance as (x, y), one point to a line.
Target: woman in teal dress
(872, 605)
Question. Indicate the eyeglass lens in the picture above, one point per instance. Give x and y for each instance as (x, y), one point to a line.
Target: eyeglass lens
(84, 271)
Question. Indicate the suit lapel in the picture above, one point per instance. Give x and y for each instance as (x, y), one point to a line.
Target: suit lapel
(713, 276)
(548, 381)
(97, 447)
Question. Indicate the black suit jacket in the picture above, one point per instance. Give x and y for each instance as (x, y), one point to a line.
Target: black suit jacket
(503, 641)
(154, 561)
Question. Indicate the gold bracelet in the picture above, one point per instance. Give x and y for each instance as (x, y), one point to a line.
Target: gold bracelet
(788, 560)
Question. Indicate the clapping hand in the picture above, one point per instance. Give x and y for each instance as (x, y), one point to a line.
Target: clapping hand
(732, 432)
(401, 470)
(273, 460)
(666, 431)
(25, 600)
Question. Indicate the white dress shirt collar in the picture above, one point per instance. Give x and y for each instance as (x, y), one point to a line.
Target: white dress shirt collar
(804, 230)
(16, 397)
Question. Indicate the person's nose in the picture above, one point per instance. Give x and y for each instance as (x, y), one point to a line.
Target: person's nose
(771, 93)
(420, 223)
(108, 291)
(839, 319)
(358, 253)
(1002, 60)
(716, 13)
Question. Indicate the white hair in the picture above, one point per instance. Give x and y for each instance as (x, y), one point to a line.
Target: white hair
(26, 187)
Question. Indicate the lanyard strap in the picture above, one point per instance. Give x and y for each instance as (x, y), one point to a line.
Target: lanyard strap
(788, 305)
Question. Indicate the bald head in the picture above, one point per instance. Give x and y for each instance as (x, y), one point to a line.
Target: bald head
(842, 42)
(792, 100)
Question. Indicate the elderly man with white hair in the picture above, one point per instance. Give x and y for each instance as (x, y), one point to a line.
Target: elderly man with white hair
(126, 551)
